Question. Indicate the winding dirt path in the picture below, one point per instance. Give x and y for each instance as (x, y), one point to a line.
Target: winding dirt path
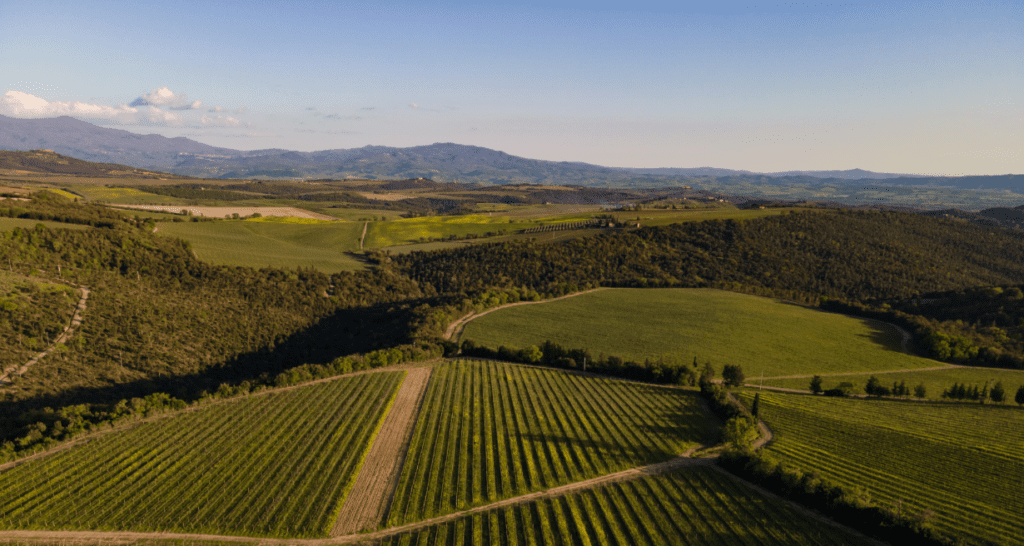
(76, 321)
(454, 330)
(367, 503)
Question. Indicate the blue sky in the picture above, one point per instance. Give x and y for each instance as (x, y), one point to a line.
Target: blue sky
(934, 87)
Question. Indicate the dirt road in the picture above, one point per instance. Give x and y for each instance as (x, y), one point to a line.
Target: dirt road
(76, 321)
(368, 501)
(455, 329)
(363, 237)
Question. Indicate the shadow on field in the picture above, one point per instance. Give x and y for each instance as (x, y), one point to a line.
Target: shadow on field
(344, 332)
(882, 334)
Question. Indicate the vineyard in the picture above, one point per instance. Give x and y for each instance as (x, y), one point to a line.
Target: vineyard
(268, 465)
(565, 226)
(490, 431)
(693, 506)
(962, 462)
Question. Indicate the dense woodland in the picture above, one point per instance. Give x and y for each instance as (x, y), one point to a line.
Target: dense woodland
(160, 321)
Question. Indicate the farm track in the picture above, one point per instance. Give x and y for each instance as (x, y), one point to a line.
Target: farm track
(76, 321)
(367, 502)
(455, 328)
(363, 237)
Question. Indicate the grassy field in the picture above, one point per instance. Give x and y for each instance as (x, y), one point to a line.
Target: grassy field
(124, 196)
(7, 224)
(935, 381)
(961, 461)
(411, 230)
(260, 244)
(760, 334)
(660, 217)
(272, 465)
(489, 431)
(691, 506)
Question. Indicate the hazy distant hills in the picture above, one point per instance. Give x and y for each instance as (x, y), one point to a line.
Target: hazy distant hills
(449, 162)
(47, 162)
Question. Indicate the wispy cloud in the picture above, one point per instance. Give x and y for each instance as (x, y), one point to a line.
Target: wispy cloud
(219, 121)
(163, 96)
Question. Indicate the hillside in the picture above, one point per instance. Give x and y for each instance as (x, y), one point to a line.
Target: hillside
(49, 162)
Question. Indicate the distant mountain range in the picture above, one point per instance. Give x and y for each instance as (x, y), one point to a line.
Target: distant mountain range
(444, 162)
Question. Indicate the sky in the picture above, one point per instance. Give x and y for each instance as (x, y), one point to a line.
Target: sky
(908, 87)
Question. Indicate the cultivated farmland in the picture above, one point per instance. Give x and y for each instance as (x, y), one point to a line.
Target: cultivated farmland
(260, 244)
(691, 506)
(961, 461)
(935, 381)
(489, 431)
(760, 334)
(278, 464)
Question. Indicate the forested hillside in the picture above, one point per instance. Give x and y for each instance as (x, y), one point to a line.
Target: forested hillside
(854, 255)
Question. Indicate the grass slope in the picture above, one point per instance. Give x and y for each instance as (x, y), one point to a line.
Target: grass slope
(935, 381)
(261, 244)
(7, 224)
(962, 461)
(489, 431)
(277, 464)
(691, 506)
(760, 334)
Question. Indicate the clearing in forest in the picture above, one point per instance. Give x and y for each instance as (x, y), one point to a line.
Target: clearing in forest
(763, 335)
(960, 462)
(367, 503)
(690, 506)
(277, 464)
(490, 431)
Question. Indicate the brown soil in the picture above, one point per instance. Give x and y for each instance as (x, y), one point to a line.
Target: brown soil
(367, 503)
(220, 212)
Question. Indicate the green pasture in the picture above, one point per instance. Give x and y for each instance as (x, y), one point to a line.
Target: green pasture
(489, 431)
(762, 335)
(664, 217)
(124, 196)
(935, 381)
(278, 464)
(700, 506)
(260, 244)
(961, 461)
(354, 215)
(7, 224)
(411, 230)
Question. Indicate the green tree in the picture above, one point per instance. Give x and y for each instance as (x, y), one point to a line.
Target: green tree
(920, 391)
(733, 375)
(997, 394)
(755, 407)
(873, 387)
(1019, 398)
(739, 432)
(816, 385)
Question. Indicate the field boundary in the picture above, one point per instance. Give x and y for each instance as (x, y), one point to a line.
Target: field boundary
(76, 321)
(367, 503)
(455, 328)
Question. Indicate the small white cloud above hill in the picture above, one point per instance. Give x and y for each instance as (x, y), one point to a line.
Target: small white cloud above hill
(219, 121)
(163, 96)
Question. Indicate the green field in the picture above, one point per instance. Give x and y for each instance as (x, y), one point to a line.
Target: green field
(260, 244)
(964, 462)
(935, 381)
(7, 224)
(411, 230)
(269, 465)
(762, 335)
(124, 196)
(691, 506)
(489, 431)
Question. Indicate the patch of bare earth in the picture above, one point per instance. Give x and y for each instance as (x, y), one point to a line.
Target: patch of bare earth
(221, 212)
(368, 501)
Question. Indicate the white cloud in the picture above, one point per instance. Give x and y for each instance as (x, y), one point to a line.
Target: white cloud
(163, 96)
(217, 109)
(219, 121)
(23, 105)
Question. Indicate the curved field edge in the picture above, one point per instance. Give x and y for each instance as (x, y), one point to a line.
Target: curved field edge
(934, 381)
(697, 505)
(271, 465)
(490, 431)
(763, 335)
(958, 464)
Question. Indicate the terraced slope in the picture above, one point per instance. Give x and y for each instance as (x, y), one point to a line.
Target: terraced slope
(489, 431)
(963, 462)
(693, 506)
(267, 465)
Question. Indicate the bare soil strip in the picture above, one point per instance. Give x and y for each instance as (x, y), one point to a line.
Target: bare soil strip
(220, 212)
(76, 321)
(363, 238)
(367, 503)
(455, 329)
